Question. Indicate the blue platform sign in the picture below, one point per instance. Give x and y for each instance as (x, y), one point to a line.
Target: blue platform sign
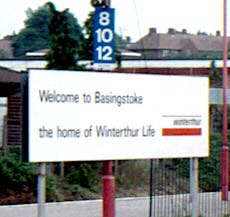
(104, 37)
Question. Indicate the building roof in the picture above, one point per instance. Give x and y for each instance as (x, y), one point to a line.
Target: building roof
(9, 81)
(5, 46)
(174, 41)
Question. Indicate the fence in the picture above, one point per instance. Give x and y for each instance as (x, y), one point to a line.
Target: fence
(170, 186)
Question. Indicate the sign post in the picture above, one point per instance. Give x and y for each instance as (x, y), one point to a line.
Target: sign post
(104, 52)
(41, 191)
(108, 192)
(41, 179)
(194, 186)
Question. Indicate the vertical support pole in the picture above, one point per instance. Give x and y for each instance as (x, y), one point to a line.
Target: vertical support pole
(194, 186)
(191, 184)
(24, 119)
(108, 191)
(108, 180)
(224, 172)
(62, 169)
(41, 192)
(151, 190)
(225, 148)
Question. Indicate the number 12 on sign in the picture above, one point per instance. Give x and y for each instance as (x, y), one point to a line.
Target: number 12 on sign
(104, 41)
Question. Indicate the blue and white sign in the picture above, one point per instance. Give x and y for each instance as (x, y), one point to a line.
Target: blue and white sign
(104, 37)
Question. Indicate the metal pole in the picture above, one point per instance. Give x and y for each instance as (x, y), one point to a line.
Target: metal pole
(225, 148)
(194, 186)
(108, 191)
(41, 192)
(191, 184)
(108, 180)
(151, 190)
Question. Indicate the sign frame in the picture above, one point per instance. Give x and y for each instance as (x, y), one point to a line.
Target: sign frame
(178, 129)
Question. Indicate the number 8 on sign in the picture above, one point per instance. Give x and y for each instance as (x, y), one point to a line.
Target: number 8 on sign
(104, 18)
(104, 43)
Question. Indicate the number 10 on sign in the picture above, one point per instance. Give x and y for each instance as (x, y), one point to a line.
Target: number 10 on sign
(104, 41)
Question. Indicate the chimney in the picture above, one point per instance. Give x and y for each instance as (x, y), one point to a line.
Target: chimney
(218, 33)
(171, 31)
(128, 39)
(184, 31)
(152, 30)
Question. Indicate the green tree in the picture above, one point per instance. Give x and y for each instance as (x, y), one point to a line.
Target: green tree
(34, 36)
(215, 75)
(65, 39)
(88, 45)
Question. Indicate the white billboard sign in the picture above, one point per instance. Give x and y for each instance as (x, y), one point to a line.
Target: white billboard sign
(107, 116)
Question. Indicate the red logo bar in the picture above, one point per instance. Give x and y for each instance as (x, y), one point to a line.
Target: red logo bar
(181, 131)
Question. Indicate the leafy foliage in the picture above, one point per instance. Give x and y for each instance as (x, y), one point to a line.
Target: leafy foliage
(84, 176)
(60, 32)
(65, 35)
(210, 167)
(14, 173)
(52, 189)
(34, 36)
(89, 28)
(215, 75)
(18, 178)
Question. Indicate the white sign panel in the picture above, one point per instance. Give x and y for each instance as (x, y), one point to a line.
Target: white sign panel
(106, 116)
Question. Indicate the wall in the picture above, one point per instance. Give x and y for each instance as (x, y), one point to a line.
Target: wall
(3, 112)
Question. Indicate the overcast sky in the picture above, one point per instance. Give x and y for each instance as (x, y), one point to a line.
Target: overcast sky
(133, 17)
